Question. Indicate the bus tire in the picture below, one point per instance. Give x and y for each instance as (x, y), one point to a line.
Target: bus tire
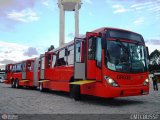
(17, 83)
(75, 92)
(13, 84)
(41, 89)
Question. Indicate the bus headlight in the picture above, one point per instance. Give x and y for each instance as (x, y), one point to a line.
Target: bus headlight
(146, 82)
(111, 82)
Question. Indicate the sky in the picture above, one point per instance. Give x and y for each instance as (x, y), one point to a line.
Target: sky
(29, 27)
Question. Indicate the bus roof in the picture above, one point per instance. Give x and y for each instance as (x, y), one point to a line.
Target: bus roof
(99, 30)
(31, 59)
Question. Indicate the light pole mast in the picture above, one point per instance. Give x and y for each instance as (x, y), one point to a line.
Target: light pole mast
(68, 5)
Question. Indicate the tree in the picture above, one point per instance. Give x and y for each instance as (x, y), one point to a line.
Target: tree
(154, 60)
(155, 57)
(51, 48)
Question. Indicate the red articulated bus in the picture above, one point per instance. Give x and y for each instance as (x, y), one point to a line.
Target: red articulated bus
(24, 73)
(107, 62)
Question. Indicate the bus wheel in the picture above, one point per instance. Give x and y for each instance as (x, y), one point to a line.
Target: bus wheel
(75, 92)
(13, 84)
(41, 87)
(17, 83)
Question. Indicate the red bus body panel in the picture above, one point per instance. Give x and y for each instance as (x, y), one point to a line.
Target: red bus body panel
(59, 78)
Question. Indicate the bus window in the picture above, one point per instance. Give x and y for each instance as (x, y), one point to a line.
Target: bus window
(98, 52)
(78, 51)
(6, 69)
(53, 61)
(62, 58)
(29, 66)
(70, 55)
(42, 66)
(23, 67)
(91, 49)
(18, 67)
(48, 61)
(32, 65)
(10, 68)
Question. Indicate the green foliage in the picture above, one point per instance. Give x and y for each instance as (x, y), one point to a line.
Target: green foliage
(154, 54)
(154, 66)
(51, 48)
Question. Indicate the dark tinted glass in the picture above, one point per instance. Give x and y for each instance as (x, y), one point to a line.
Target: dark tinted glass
(125, 35)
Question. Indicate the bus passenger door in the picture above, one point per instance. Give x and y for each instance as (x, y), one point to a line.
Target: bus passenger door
(23, 70)
(42, 67)
(79, 65)
(35, 71)
(93, 59)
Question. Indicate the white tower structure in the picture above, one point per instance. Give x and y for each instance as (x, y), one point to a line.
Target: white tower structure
(68, 5)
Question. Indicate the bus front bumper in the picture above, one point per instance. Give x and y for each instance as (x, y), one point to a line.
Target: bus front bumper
(101, 90)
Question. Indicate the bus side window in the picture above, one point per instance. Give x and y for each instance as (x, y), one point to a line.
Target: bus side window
(48, 61)
(42, 65)
(39, 64)
(71, 55)
(78, 52)
(29, 66)
(18, 67)
(99, 51)
(62, 58)
(91, 48)
(23, 67)
(54, 61)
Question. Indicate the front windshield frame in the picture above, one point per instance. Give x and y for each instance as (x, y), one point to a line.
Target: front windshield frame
(133, 67)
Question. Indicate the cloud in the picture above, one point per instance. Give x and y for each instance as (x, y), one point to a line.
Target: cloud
(27, 15)
(8, 5)
(50, 4)
(14, 52)
(7, 61)
(11, 46)
(155, 41)
(150, 7)
(119, 9)
(46, 2)
(135, 1)
(142, 7)
(139, 21)
(11, 12)
(31, 51)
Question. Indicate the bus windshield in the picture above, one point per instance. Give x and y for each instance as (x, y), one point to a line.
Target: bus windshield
(126, 57)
